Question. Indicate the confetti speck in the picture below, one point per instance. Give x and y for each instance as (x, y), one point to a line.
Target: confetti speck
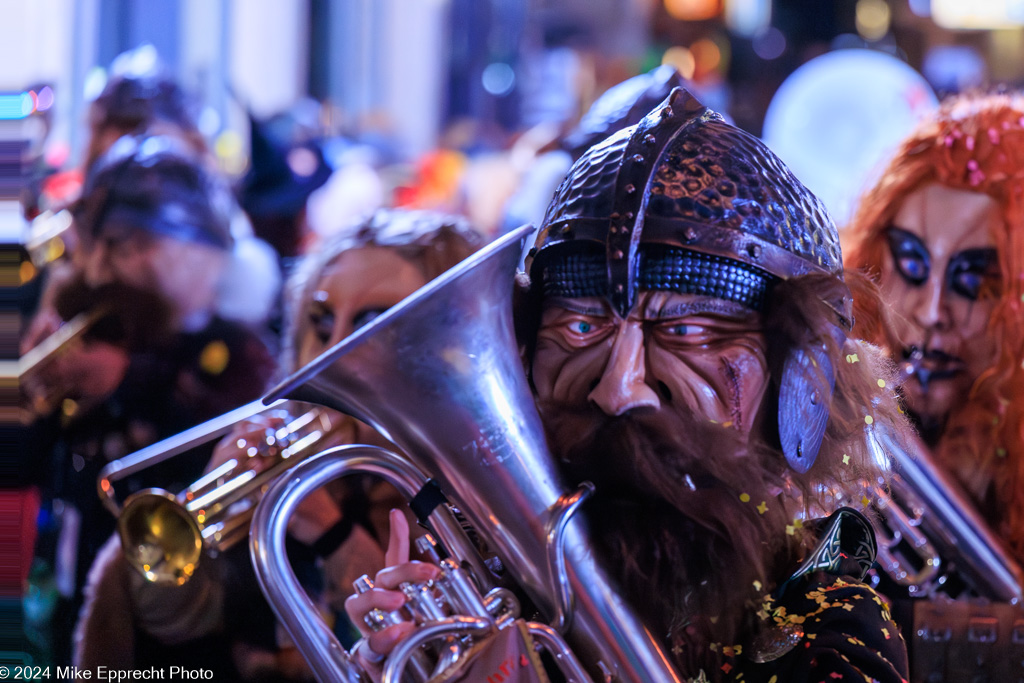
(881, 383)
(868, 419)
(846, 459)
(745, 497)
(762, 508)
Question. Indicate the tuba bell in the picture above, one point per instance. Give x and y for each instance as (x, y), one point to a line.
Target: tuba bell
(440, 376)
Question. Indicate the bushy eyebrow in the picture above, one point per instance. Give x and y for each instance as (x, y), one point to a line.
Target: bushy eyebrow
(597, 308)
(589, 307)
(680, 309)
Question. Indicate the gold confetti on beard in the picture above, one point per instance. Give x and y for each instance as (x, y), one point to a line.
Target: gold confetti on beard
(668, 522)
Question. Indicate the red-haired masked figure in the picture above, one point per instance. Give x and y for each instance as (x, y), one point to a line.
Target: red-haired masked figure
(942, 233)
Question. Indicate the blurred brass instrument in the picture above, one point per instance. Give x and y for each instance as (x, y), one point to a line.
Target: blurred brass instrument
(164, 535)
(41, 397)
(48, 237)
(931, 528)
(440, 376)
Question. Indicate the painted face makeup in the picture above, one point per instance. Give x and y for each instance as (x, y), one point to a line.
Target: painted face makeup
(940, 276)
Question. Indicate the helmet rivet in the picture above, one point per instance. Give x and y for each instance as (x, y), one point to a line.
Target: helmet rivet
(625, 229)
(618, 254)
(629, 215)
(618, 287)
(691, 234)
(638, 158)
(615, 216)
(649, 139)
(630, 189)
(613, 230)
(666, 112)
(754, 250)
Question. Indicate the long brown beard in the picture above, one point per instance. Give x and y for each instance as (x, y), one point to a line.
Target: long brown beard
(676, 520)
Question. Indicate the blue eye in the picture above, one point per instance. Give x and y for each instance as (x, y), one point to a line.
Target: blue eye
(680, 330)
(580, 327)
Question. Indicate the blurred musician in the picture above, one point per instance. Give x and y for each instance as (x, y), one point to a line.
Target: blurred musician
(219, 614)
(942, 233)
(155, 245)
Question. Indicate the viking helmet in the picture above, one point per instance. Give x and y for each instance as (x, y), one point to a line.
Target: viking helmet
(685, 202)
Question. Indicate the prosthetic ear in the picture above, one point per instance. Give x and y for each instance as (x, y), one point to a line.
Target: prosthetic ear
(805, 394)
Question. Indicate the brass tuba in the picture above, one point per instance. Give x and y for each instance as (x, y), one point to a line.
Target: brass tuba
(440, 375)
(163, 535)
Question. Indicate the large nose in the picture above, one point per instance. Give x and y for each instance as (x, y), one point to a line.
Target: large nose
(623, 385)
(96, 267)
(929, 304)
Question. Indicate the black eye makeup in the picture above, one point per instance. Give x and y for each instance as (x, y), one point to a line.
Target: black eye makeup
(970, 270)
(909, 255)
(321, 318)
(365, 316)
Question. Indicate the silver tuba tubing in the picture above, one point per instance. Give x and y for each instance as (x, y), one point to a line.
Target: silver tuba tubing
(953, 529)
(326, 657)
(440, 375)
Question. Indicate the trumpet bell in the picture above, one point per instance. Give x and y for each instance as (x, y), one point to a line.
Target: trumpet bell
(159, 537)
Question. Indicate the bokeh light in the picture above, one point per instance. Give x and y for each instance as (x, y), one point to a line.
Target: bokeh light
(498, 78)
(693, 10)
(682, 59)
(769, 44)
(873, 19)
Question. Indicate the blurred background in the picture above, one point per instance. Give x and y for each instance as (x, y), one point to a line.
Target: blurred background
(319, 111)
(389, 82)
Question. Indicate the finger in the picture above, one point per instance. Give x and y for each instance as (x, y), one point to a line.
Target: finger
(398, 543)
(383, 642)
(358, 605)
(391, 578)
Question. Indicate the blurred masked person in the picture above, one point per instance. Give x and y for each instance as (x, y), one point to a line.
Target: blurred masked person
(219, 614)
(155, 243)
(942, 233)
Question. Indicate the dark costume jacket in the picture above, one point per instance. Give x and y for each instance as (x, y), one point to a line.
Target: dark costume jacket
(824, 624)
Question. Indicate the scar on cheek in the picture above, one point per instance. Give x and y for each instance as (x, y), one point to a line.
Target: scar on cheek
(735, 388)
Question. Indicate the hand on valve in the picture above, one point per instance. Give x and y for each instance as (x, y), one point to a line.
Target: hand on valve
(385, 596)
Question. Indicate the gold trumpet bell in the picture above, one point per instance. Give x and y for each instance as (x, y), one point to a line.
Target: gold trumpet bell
(159, 537)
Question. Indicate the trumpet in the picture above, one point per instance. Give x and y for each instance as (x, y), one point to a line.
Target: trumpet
(164, 535)
(41, 397)
(931, 526)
